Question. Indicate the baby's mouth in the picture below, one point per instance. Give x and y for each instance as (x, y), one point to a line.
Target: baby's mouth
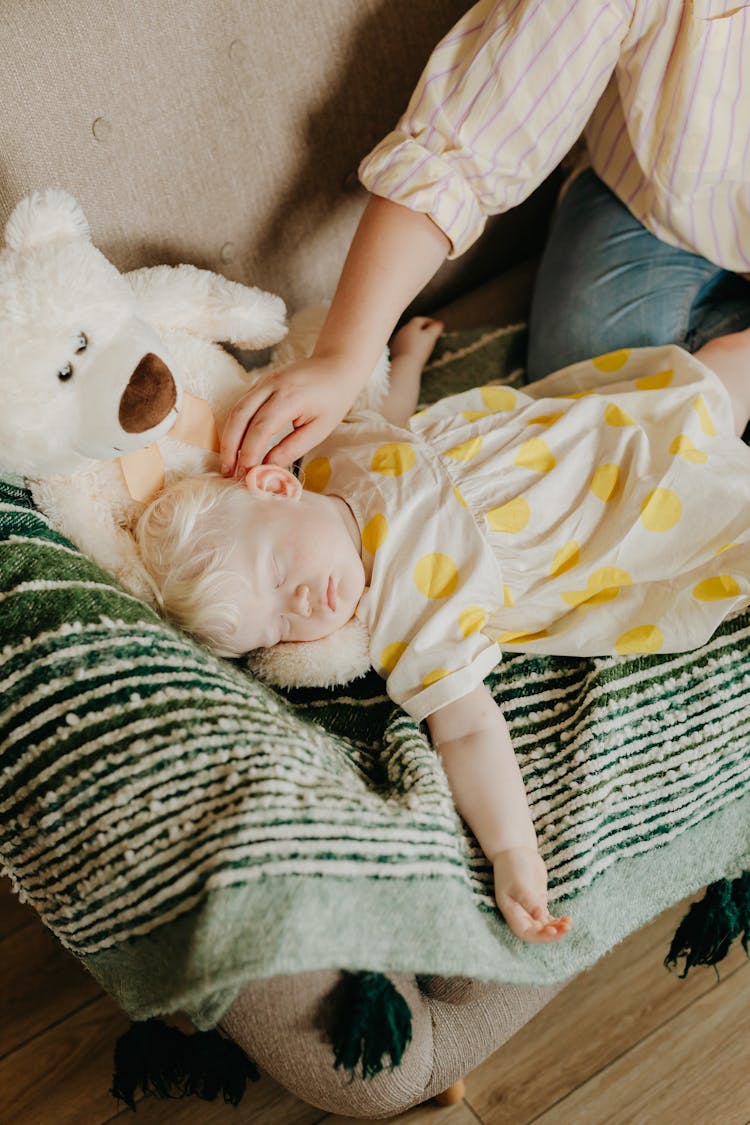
(331, 595)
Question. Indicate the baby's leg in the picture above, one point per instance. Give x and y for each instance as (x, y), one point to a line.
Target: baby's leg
(729, 358)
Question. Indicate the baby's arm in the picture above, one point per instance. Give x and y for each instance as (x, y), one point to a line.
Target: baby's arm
(410, 349)
(472, 738)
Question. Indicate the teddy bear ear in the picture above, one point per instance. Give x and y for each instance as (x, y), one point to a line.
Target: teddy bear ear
(44, 216)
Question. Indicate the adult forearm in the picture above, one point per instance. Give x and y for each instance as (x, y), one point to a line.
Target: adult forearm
(393, 255)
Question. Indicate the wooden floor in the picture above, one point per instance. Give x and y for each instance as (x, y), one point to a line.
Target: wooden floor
(626, 1044)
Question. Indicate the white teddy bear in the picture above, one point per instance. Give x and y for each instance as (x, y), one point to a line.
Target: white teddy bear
(98, 367)
(114, 384)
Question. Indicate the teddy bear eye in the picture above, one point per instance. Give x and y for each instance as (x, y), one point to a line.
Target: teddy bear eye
(65, 373)
(81, 343)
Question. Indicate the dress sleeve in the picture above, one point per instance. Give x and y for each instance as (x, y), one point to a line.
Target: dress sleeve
(502, 99)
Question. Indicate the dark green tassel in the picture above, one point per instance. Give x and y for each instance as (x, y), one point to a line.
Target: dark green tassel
(741, 895)
(372, 1024)
(163, 1061)
(705, 934)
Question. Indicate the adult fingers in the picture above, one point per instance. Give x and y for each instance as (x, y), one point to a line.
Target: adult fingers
(294, 445)
(274, 418)
(237, 421)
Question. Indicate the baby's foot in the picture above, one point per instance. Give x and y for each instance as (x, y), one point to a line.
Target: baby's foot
(417, 338)
(521, 893)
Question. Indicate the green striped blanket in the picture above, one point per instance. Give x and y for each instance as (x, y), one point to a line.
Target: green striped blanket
(184, 829)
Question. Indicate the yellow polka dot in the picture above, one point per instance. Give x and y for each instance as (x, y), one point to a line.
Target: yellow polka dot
(507, 595)
(706, 421)
(661, 510)
(544, 420)
(682, 446)
(460, 498)
(435, 675)
(374, 533)
(317, 473)
(716, 589)
(577, 394)
(519, 637)
(655, 382)
(436, 575)
(614, 415)
(393, 458)
(605, 480)
(466, 450)
(536, 455)
(602, 585)
(642, 639)
(612, 361)
(726, 547)
(511, 517)
(473, 415)
(472, 619)
(391, 655)
(498, 398)
(565, 558)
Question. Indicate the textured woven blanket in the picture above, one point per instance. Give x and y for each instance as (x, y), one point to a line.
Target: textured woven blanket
(183, 829)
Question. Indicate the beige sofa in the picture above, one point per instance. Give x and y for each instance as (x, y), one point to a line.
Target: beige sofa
(227, 133)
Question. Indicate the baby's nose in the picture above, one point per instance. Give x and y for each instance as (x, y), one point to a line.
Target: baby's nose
(301, 601)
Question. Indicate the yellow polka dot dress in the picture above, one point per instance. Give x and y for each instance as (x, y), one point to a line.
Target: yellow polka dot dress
(602, 510)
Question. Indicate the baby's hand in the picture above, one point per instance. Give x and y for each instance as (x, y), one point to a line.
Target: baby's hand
(521, 893)
(416, 339)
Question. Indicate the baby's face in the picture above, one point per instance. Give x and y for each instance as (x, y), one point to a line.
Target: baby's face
(298, 566)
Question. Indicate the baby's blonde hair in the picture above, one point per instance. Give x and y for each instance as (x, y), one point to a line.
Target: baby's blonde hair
(184, 538)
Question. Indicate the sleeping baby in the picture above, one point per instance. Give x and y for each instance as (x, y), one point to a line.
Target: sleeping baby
(604, 510)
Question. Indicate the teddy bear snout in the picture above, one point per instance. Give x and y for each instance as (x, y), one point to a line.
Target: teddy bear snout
(149, 397)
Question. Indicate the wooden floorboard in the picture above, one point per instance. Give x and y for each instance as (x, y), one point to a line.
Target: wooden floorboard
(624, 999)
(627, 1043)
(694, 1068)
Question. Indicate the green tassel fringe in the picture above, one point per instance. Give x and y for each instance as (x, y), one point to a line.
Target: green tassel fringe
(372, 1024)
(706, 933)
(164, 1062)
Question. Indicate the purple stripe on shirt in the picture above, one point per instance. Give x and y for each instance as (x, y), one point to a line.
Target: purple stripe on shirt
(449, 95)
(744, 243)
(657, 102)
(512, 43)
(564, 108)
(500, 108)
(608, 161)
(407, 122)
(657, 95)
(558, 151)
(465, 70)
(601, 125)
(706, 146)
(683, 129)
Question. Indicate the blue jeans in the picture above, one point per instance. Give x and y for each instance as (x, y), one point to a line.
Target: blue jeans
(605, 282)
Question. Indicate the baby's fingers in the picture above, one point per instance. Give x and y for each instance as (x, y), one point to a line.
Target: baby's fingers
(538, 926)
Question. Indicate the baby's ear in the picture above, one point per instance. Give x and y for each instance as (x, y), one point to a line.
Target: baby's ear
(273, 480)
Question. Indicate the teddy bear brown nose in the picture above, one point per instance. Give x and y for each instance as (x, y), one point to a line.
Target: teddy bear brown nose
(149, 396)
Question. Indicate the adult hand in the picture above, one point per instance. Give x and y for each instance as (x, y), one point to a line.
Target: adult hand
(285, 414)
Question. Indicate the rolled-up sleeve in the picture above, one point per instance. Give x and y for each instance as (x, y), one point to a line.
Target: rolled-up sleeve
(503, 97)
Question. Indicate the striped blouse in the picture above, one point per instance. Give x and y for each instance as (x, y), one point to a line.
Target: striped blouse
(661, 89)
